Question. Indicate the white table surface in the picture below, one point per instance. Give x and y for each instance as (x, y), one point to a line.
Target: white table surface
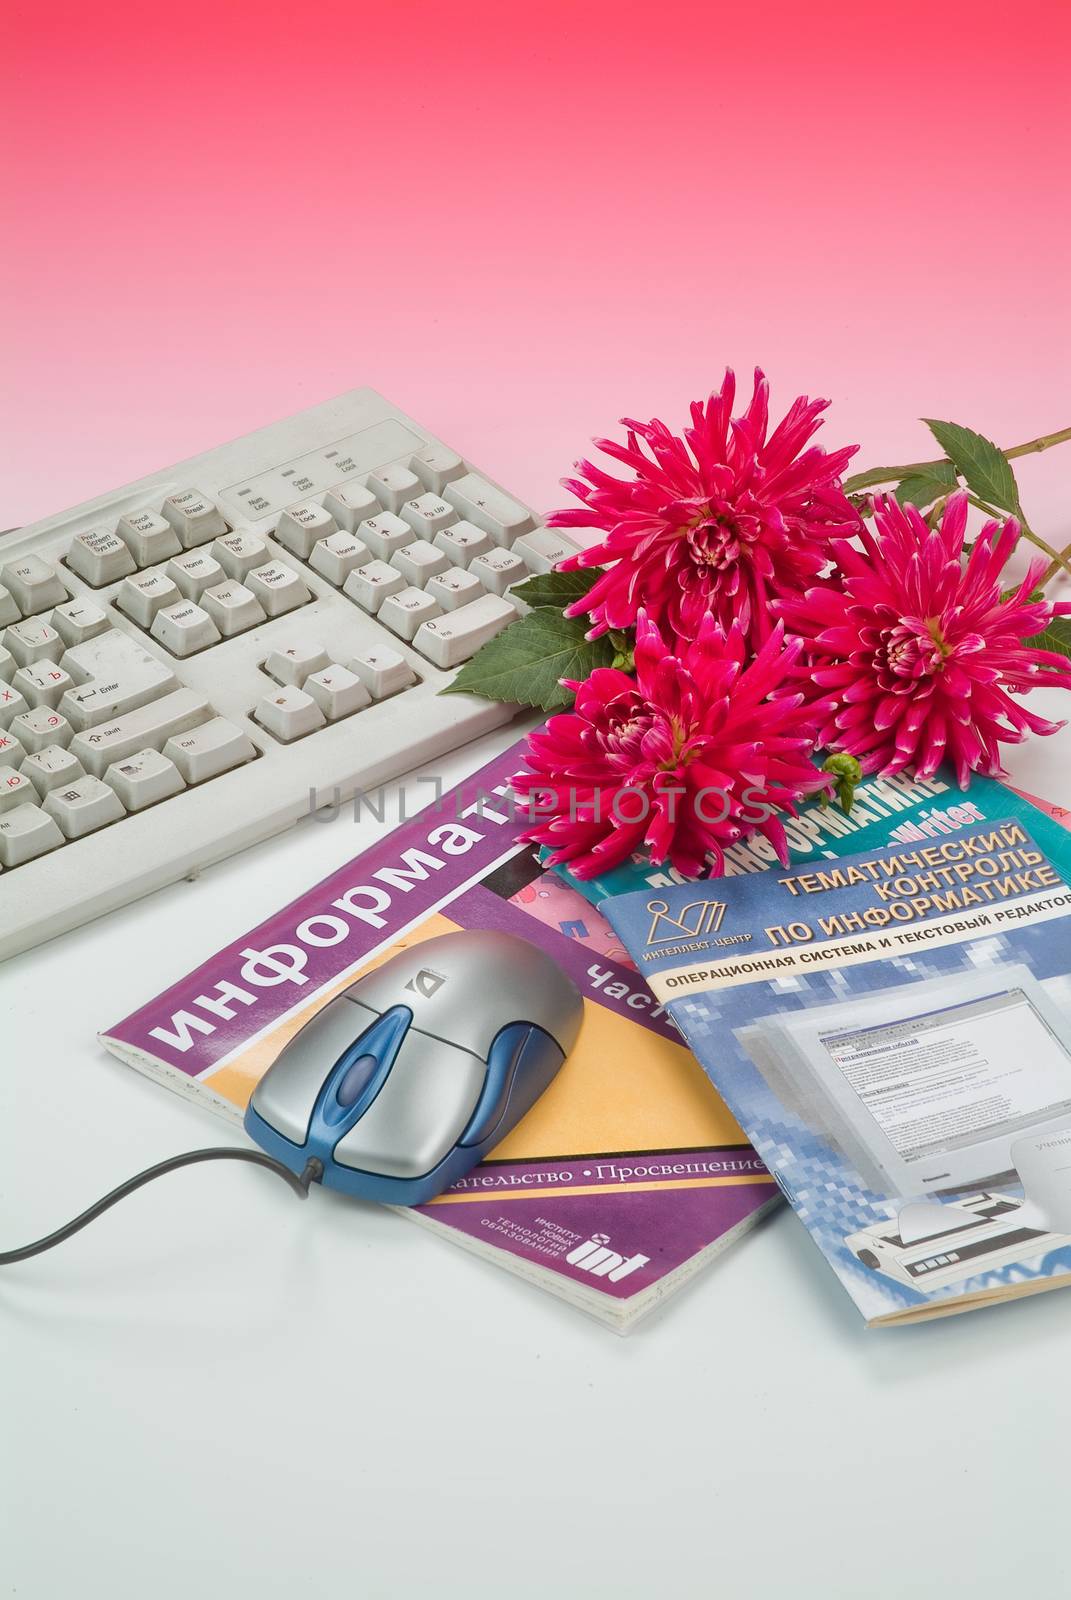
(216, 1390)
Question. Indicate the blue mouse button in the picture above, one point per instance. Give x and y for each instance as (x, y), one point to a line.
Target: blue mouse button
(519, 1051)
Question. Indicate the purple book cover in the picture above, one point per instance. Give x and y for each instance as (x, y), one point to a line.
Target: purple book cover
(621, 1181)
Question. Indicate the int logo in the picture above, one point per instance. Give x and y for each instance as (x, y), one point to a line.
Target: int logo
(593, 1256)
(426, 983)
(697, 918)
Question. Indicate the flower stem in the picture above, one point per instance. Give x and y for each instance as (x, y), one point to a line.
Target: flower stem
(1058, 560)
(910, 469)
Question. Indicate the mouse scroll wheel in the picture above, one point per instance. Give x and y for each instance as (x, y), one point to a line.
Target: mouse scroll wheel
(359, 1073)
(355, 1080)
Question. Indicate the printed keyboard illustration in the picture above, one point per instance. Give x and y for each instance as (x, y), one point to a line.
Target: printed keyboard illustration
(185, 660)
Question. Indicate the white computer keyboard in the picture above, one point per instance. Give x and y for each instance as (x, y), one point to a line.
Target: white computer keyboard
(186, 661)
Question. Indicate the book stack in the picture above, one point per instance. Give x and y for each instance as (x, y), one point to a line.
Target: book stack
(632, 1172)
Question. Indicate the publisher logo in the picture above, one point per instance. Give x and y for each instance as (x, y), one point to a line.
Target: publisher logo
(697, 918)
(594, 1257)
(426, 983)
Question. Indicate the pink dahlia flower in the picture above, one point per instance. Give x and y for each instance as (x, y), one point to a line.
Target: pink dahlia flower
(680, 760)
(918, 649)
(718, 521)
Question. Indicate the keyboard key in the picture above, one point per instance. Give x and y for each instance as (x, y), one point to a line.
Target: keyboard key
(238, 552)
(337, 691)
(99, 556)
(419, 561)
(33, 583)
(15, 790)
(8, 665)
(150, 725)
(210, 749)
(11, 751)
(32, 641)
(427, 514)
(382, 671)
(436, 466)
(449, 640)
(113, 674)
(289, 713)
(90, 704)
(462, 543)
(404, 612)
(335, 557)
(42, 684)
(455, 588)
(293, 663)
(498, 570)
(37, 729)
(370, 585)
(385, 534)
(26, 832)
(112, 655)
(542, 549)
(184, 629)
(194, 518)
(480, 502)
(143, 595)
(12, 704)
(78, 620)
(87, 804)
(52, 768)
(143, 779)
(277, 587)
(303, 526)
(194, 573)
(9, 611)
(148, 536)
(394, 486)
(233, 608)
(350, 504)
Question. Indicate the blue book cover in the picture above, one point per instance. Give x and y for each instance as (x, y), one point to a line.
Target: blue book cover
(892, 1029)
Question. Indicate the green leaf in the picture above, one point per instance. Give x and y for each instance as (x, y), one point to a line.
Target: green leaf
(624, 648)
(867, 480)
(522, 665)
(924, 488)
(1057, 636)
(977, 459)
(556, 588)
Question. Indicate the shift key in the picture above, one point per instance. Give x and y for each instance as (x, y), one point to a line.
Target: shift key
(149, 727)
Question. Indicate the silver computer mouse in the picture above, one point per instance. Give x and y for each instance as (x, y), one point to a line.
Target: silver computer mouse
(402, 1083)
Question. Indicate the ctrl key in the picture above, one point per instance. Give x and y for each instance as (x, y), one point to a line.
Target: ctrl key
(85, 806)
(26, 832)
(206, 752)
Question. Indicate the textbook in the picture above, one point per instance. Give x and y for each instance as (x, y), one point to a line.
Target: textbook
(624, 1179)
(892, 1029)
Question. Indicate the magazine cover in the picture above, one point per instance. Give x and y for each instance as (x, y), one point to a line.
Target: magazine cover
(625, 1177)
(899, 807)
(893, 1031)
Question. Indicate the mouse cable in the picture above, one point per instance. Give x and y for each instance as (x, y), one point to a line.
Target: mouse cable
(300, 1185)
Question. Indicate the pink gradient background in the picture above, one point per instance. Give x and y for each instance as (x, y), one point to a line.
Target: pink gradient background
(521, 221)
